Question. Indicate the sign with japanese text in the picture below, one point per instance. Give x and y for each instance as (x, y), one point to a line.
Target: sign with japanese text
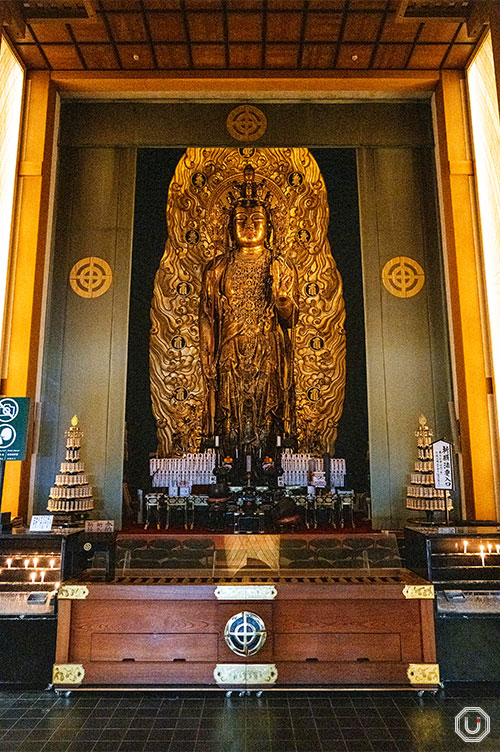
(443, 465)
(41, 523)
(99, 526)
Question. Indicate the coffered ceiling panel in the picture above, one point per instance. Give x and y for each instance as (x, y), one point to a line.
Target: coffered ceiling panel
(257, 35)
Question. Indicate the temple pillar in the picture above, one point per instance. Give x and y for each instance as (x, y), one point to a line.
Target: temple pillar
(473, 379)
(28, 262)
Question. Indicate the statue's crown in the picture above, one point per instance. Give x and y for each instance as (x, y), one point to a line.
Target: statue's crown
(249, 192)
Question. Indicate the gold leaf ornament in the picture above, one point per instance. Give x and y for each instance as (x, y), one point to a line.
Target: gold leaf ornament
(68, 673)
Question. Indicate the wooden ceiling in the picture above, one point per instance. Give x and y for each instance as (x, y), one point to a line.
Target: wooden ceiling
(241, 35)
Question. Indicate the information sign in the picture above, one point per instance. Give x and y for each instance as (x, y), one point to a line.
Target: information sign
(14, 418)
(99, 526)
(443, 465)
(41, 523)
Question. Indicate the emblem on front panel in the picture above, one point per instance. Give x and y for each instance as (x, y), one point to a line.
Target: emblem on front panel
(246, 123)
(245, 633)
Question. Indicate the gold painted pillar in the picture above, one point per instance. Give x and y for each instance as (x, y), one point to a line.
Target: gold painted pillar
(456, 172)
(26, 274)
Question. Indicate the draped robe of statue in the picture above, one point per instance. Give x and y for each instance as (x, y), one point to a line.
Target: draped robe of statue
(248, 309)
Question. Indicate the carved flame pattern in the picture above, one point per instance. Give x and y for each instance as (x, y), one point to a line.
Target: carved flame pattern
(197, 226)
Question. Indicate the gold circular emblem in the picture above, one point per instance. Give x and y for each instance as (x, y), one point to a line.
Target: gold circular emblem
(246, 123)
(87, 546)
(91, 277)
(403, 277)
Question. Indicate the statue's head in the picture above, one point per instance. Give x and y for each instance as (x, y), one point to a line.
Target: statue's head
(250, 219)
(249, 225)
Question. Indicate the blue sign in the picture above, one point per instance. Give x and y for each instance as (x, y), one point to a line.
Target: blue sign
(14, 420)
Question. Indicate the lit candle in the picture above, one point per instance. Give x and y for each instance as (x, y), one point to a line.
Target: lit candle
(26, 563)
(51, 563)
(482, 554)
(278, 441)
(249, 463)
(35, 562)
(490, 547)
(216, 441)
(56, 586)
(498, 548)
(9, 563)
(33, 576)
(466, 543)
(42, 575)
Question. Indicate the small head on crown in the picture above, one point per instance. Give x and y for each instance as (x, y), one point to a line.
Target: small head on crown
(249, 193)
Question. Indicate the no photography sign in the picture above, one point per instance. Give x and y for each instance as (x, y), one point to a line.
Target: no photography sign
(14, 416)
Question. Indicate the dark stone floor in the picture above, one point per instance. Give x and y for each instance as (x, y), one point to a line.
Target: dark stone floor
(33, 721)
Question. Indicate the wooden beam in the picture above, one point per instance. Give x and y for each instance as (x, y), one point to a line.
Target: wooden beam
(205, 84)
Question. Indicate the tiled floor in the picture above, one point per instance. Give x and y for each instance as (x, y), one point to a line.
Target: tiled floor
(276, 722)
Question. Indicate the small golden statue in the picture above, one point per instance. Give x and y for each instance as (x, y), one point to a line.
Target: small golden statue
(248, 310)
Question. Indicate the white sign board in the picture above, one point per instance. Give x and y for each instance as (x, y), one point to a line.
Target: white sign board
(443, 465)
(99, 526)
(41, 523)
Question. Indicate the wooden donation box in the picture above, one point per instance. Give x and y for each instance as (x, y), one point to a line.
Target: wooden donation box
(256, 612)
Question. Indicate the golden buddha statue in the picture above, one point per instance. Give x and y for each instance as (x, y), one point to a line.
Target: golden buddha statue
(247, 313)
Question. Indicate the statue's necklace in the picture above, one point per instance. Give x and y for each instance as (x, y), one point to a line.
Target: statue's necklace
(248, 287)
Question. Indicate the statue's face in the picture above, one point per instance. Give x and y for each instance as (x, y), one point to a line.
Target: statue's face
(250, 226)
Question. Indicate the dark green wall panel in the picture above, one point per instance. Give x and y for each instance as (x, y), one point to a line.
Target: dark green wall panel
(86, 339)
(408, 370)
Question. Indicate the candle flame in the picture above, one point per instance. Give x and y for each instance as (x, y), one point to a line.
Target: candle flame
(9, 563)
